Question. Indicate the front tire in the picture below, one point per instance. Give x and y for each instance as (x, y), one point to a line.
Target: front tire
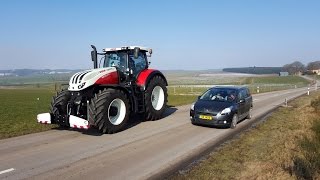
(59, 107)
(111, 110)
(156, 98)
(249, 116)
(234, 121)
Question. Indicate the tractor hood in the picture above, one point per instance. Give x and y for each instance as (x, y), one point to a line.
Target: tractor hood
(84, 79)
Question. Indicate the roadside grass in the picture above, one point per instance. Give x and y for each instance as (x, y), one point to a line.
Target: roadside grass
(177, 100)
(285, 146)
(307, 166)
(19, 108)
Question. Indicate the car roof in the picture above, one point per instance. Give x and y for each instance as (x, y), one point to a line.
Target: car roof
(230, 87)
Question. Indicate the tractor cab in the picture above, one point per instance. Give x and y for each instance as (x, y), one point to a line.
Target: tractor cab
(129, 61)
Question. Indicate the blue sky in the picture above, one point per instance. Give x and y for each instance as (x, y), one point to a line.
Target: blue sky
(183, 34)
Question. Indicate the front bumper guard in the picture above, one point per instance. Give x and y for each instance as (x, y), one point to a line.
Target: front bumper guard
(74, 121)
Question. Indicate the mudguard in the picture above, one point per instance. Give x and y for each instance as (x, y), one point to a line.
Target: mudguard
(145, 76)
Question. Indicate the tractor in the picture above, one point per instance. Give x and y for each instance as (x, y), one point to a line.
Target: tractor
(119, 87)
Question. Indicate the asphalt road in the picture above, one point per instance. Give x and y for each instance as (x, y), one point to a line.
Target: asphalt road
(145, 150)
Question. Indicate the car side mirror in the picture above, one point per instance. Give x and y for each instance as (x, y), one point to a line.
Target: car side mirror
(241, 100)
(199, 97)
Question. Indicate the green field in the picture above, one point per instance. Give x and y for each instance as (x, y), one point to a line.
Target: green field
(259, 84)
(177, 100)
(35, 79)
(19, 108)
(276, 80)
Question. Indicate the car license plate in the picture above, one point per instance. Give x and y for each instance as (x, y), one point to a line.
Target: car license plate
(205, 117)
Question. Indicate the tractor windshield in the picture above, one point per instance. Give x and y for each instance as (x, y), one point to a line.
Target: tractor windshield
(116, 59)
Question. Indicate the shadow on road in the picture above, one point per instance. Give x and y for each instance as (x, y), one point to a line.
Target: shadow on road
(134, 120)
(169, 111)
(219, 127)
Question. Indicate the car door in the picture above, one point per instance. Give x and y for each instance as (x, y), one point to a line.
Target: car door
(241, 104)
(248, 100)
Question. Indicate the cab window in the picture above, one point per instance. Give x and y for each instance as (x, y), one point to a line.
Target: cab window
(138, 64)
(116, 59)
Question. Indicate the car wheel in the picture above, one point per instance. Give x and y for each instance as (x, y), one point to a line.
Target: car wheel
(234, 121)
(249, 116)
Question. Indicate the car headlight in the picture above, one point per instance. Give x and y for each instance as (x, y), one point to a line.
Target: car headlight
(226, 111)
(192, 107)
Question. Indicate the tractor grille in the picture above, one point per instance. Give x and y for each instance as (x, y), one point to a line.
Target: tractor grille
(78, 77)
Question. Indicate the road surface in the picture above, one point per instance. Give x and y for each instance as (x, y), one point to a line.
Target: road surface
(145, 150)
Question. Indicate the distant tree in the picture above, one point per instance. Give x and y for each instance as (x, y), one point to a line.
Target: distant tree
(313, 65)
(294, 68)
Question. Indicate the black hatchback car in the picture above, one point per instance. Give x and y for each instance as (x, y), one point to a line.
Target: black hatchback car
(222, 106)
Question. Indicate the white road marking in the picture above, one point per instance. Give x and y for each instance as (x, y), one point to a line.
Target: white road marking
(6, 171)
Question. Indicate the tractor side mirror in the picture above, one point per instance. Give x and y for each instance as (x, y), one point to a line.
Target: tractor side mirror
(136, 51)
(94, 56)
(150, 52)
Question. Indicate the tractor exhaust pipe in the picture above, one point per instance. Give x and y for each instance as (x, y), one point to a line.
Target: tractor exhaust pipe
(94, 57)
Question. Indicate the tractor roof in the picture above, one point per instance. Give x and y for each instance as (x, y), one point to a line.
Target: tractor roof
(126, 47)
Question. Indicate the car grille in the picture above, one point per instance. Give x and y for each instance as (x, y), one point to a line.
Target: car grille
(206, 113)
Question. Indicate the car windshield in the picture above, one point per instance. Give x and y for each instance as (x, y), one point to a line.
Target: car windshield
(116, 59)
(219, 94)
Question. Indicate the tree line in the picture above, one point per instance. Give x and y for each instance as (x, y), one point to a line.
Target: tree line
(293, 69)
(297, 67)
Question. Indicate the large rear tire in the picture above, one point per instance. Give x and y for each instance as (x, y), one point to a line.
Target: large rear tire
(156, 98)
(59, 106)
(110, 110)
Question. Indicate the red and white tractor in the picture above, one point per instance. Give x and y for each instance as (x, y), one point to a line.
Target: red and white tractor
(105, 96)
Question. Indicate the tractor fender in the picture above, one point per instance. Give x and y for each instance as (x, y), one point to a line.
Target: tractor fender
(146, 75)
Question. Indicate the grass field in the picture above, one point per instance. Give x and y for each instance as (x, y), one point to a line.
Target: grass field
(285, 146)
(35, 79)
(276, 80)
(19, 108)
(177, 100)
(258, 84)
